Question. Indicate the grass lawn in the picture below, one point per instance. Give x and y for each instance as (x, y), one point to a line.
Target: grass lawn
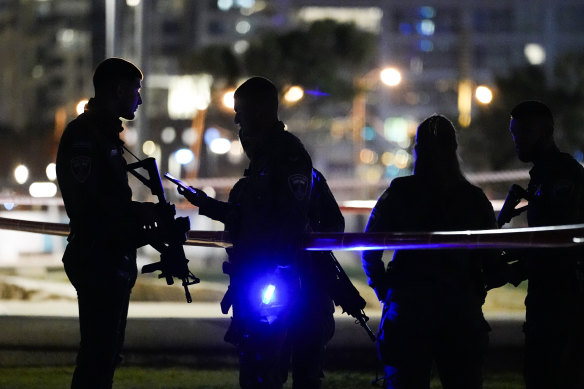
(191, 378)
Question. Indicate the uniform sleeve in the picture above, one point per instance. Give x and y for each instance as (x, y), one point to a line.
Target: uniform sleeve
(562, 198)
(216, 210)
(292, 188)
(94, 184)
(372, 259)
(495, 268)
(270, 216)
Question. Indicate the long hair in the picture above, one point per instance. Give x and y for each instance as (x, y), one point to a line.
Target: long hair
(435, 150)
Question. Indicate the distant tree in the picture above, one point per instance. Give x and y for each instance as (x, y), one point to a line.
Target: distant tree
(324, 56)
(217, 60)
(487, 144)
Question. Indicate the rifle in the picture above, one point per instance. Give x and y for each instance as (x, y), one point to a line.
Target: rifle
(171, 232)
(508, 211)
(348, 298)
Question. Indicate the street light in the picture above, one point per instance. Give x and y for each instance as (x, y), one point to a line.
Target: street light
(390, 76)
(80, 108)
(21, 174)
(483, 94)
(42, 189)
(51, 171)
(228, 99)
(294, 94)
(220, 145)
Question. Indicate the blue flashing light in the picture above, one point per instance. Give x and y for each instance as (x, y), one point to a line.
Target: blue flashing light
(426, 27)
(427, 12)
(426, 45)
(368, 133)
(391, 171)
(210, 135)
(184, 156)
(579, 156)
(316, 93)
(268, 294)
(405, 28)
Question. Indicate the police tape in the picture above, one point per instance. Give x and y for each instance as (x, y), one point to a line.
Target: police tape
(535, 237)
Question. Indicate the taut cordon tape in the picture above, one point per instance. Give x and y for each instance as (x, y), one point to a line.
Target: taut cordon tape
(535, 237)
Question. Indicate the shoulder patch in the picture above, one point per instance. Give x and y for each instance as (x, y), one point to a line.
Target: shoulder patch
(81, 168)
(114, 152)
(298, 184)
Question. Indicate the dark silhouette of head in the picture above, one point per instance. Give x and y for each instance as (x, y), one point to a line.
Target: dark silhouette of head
(256, 111)
(435, 149)
(532, 128)
(117, 84)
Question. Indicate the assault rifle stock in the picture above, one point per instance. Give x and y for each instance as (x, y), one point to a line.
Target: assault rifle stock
(170, 233)
(348, 298)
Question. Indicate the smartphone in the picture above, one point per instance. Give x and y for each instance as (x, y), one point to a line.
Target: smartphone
(178, 182)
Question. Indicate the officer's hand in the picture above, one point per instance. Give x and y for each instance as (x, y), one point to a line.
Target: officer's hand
(195, 196)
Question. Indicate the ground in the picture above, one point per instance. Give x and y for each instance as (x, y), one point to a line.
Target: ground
(191, 378)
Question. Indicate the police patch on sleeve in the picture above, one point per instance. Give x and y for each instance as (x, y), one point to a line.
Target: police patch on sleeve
(81, 168)
(298, 184)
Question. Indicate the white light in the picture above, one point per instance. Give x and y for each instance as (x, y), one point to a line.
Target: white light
(149, 147)
(243, 27)
(168, 135)
(130, 136)
(402, 158)
(224, 5)
(369, 204)
(390, 76)
(21, 174)
(51, 171)
(38, 71)
(294, 94)
(184, 156)
(187, 95)
(483, 94)
(42, 189)
(235, 152)
(80, 108)
(245, 3)
(189, 136)
(132, 3)
(426, 27)
(210, 191)
(365, 18)
(9, 206)
(268, 294)
(220, 146)
(535, 53)
(210, 135)
(228, 100)
(241, 46)
(395, 129)
(66, 36)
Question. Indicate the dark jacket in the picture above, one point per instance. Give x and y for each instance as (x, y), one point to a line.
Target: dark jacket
(556, 190)
(267, 212)
(412, 204)
(92, 176)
